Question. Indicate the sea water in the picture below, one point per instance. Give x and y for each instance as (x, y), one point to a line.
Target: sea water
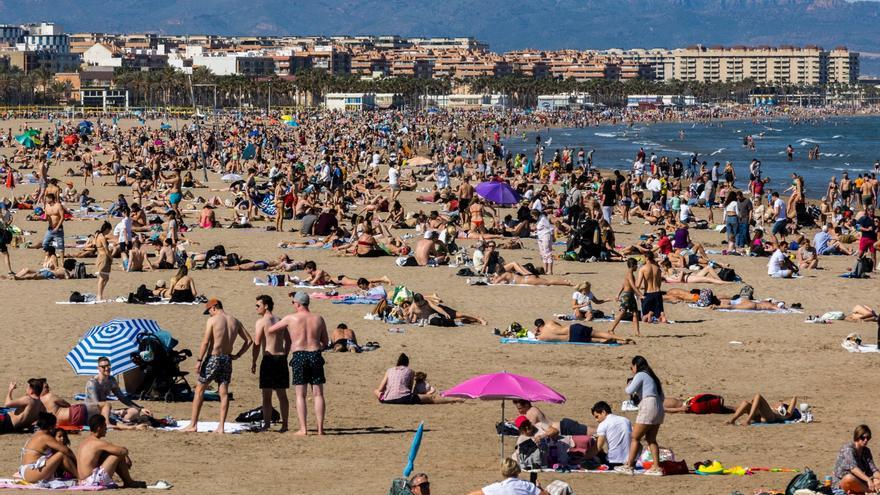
(849, 144)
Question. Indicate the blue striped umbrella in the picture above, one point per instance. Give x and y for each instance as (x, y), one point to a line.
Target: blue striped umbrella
(116, 339)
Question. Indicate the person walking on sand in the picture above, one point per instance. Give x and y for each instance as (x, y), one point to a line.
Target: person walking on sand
(274, 376)
(627, 296)
(55, 212)
(215, 360)
(308, 337)
(649, 279)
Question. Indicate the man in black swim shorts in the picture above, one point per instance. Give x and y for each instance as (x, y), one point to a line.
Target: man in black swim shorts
(652, 306)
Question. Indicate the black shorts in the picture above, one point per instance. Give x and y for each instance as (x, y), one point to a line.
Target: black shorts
(580, 333)
(124, 247)
(653, 303)
(405, 400)
(307, 368)
(463, 204)
(3, 247)
(273, 372)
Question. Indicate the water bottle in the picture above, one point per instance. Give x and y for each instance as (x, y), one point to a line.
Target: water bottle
(827, 483)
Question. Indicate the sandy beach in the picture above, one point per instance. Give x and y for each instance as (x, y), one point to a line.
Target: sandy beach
(735, 355)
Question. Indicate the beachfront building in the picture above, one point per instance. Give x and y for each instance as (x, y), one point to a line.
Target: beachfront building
(645, 102)
(655, 63)
(810, 65)
(236, 64)
(103, 55)
(45, 36)
(564, 101)
(465, 101)
(349, 102)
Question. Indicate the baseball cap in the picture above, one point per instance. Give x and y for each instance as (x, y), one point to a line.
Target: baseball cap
(519, 421)
(210, 304)
(301, 297)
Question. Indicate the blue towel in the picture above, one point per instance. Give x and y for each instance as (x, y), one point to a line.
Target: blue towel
(789, 422)
(356, 300)
(507, 340)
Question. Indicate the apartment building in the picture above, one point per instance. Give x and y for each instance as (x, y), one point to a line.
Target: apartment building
(236, 64)
(843, 66)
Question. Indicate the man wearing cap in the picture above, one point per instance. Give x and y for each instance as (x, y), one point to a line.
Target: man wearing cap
(308, 337)
(221, 331)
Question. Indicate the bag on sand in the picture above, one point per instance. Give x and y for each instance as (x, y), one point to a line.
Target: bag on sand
(863, 267)
(400, 486)
(255, 415)
(806, 480)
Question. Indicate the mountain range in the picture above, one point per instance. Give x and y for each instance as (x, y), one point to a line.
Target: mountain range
(504, 24)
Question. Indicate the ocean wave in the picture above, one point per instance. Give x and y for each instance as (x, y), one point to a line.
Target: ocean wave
(717, 152)
(605, 134)
(838, 136)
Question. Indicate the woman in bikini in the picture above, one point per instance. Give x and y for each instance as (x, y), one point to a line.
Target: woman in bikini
(706, 275)
(42, 455)
(183, 288)
(516, 279)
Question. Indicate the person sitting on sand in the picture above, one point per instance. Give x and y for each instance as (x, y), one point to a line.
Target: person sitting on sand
(435, 313)
(98, 460)
(511, 483)
(183, 288)
(428, 250)
(854, 469)
(807, 258)
(582, 302)
(508, 278)
(43, 455)
(427, 393)
(397, 384)
(22, 412)
(343, 339)
(760, 411)
(554, 332)
(77, 415)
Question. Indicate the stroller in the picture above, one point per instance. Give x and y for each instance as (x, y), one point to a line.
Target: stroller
(163, 378)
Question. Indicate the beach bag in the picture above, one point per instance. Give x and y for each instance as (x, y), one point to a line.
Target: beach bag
(401, 294)
(863, 267)
(400, 486)
(647, 460)
(803, 481)
(79, 270)
(671, 468)
(76, 297)
(559, 487)
(727, 274)
(531, 455)
(406, 261)
(233, 259)
(705, 299)
(277, 280)
(705, 404)
(255, 415)
(701, 225)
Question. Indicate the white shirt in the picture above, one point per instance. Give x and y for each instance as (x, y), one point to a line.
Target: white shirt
(776, 262)
(731, 209)
(544, 229)
(584, 301)
(122, 231)
(512, 486)
(779, 205)
(393, 174)
(685, 212)
(478, 258)
(616, 430)
(537, 205)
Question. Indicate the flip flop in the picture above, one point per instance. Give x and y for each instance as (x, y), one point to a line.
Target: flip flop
(160, 485)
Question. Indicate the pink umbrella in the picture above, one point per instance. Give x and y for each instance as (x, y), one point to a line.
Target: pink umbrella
(502, 386)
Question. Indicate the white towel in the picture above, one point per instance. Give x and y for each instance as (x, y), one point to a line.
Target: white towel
(210, 426)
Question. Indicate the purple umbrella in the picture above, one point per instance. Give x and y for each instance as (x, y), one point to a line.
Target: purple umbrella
(498, 192)
(502, 386)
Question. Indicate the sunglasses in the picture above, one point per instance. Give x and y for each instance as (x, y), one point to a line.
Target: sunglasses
(864, 437)
(424, 484)
(104, 366)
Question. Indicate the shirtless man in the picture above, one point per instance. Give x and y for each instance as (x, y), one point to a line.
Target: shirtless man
(550, 331)
(649, 278)
(308, 337)
(426, 250)
(27, 407)
(55, 216)
(137, 257)
(316, 276)
(465, 195)
(174, 191)
(273, 369)
(215, 360)
(627, 296)
(98, 460)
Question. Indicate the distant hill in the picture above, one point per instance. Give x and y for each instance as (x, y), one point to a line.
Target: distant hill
(506, 25)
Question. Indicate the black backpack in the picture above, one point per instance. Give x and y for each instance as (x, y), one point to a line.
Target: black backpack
(803, 481)
(863, 267)
(233, 259)
(255, 415)
(727, 274)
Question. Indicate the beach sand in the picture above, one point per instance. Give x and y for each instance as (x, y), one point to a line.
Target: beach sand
(367, 443)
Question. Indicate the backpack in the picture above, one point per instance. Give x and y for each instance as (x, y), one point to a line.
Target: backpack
(530, 455)
(79, 270)
(232, 259)
(701, 225)
(803, 481)
(863, 267)
(255, 415)
(705, 404)
(76, 297)
(399, 486)
(706, 298)
(727, 274)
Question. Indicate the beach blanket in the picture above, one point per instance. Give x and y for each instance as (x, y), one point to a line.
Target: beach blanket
(508, 340)
(106, 301)
(168, 301)
(66, 485)
(356, 300)
(789, 422)
(210, 426)
(577, 469)
(259, 282)
(779, 311)
(267, 206)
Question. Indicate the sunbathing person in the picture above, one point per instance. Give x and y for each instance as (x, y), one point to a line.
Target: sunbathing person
(343, 339)
(427, 393)
(698, 404)
(861, 313)
(98, 459)
(706, 275)
(554, 332)
(43, 455)
(760, 411)
(694, 255)
(566, 426)
(515, 279)
(749, 305)
(77, 415)
(435, 313)
(63, 273)
(344, 281)
(25, 409)
(87, 250)
(283, 263)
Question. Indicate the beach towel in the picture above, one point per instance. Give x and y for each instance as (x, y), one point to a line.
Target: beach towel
(210, 426)
(508, 340)
(356, 300)
(106, 301)
(779, 311)
(168, 301)
(259, 282)
(66, 485)
(267, 206)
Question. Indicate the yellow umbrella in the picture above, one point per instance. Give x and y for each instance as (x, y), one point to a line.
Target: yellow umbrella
(286, 118)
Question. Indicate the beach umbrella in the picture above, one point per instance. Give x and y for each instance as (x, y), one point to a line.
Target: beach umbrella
(503, 386)
(286, 118)
(158, 142)
(32, 132)
(498, 192)
(116, 339)
(292, 123)
(418, 161)
(71, 139)
(414, 450)
(165, 126)
(27, 141)
(250, 151)
(254, 133)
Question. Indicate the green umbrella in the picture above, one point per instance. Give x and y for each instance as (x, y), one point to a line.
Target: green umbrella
(27, 141)
(32, 132)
